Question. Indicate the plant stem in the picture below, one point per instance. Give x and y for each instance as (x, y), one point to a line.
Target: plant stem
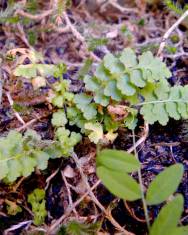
(161, 101)
(141, 187)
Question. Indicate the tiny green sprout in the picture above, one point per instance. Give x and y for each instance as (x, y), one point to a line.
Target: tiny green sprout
(37, 201)
(174, 38)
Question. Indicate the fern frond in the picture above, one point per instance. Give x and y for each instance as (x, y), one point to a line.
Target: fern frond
(172, 104)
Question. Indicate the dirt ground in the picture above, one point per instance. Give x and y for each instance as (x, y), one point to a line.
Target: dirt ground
(127, 24)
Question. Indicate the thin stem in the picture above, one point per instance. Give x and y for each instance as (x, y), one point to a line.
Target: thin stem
(161, 101)
(169, 31)
(141, 187)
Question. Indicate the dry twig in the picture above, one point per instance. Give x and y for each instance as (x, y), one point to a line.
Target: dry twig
(56, 224)
(95, 200)
(169, 31)
(69, 193)
(79, 36)
(17, 115)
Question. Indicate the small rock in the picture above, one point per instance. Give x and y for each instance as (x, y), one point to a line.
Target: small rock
(68, 172)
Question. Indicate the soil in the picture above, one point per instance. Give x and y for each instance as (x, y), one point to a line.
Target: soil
(163, 147)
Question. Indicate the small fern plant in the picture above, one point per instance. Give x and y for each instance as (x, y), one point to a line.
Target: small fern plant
(122, 87)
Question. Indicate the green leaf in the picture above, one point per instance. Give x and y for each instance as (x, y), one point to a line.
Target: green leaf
(91, 83)
(42, 159)
(89, 112)
(136, 78)
(123, 84)
(59, 118)
(160, 113)
(168, 217)
(164, 185)
(113, 64)
(101, 73)
(38, 203)
(119, 183)
(3, 168)
(31, 70)
(82, 100)
(14, 170)
(128, 58)
(112, 91)
(96, 131)
(58, 101)
(118, 160)
(101, 99)
(28, 165)
(27, 71)
(183, 230)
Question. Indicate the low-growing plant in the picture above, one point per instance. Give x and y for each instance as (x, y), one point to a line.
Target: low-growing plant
(76, 228)
(38, 204)
(121, 88)
(114, 168)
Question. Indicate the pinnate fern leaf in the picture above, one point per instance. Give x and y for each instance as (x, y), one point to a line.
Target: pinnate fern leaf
(173, 105)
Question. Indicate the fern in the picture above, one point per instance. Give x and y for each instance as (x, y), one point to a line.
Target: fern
(120, 88)
(19, 156)
(118, 78)
(165, 102)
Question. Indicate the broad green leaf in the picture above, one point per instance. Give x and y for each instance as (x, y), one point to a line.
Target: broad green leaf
(168, 217)
(164, 185)
(59, 118)
(96, 131)
(118, 160)
(183, 230)
(123, 84)
(83, 102)
(119, 183)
